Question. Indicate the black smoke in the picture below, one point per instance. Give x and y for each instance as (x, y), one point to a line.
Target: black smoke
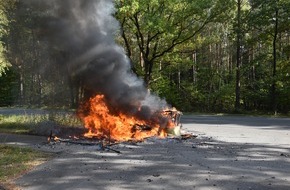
(86, 31)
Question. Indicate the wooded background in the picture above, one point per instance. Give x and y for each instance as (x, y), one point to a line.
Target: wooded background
(201, 56)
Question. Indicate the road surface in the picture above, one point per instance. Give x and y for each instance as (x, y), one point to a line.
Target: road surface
(230, 153)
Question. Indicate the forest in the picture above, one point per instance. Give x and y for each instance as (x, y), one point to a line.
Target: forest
(230, 56)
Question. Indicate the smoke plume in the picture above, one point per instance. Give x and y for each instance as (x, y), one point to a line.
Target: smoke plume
(86, 31)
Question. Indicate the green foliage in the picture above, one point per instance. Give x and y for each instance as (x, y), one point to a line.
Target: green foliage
(185, 50)
(8, 87)
(269, 25)
(4, 63)
(283, 85)
(35, 64)
(156, 28)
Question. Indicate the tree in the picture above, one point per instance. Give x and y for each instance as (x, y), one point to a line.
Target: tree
(158, 27)
(37, 64)
(270, 19)
(3, 26)
(238, 61)
(8, 87)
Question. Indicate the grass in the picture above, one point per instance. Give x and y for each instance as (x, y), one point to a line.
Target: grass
(15, 124)
(15, 161)
(26, 124)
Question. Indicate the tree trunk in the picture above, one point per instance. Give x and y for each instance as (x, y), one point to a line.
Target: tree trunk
(194, 68)
(273, 86)
(21, 86)
(238, 61)
(148, 66)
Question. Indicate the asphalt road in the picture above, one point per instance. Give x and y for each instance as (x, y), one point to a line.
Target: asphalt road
(230, 152)
(241, 129)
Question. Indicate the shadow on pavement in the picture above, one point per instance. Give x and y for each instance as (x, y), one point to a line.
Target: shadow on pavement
(200, 163)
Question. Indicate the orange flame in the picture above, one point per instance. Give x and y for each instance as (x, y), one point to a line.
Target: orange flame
(101, 123)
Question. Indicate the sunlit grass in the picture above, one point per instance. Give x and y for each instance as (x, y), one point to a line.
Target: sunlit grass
(17, 123)
(65, 119)
(26, 124)
(14, 161)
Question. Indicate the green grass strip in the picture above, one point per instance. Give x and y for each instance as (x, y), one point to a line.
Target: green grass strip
(14, 161)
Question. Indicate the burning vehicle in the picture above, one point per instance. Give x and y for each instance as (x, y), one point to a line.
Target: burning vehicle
(101, 123)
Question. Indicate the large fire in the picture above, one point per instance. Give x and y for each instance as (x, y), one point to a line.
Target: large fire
(101, 123)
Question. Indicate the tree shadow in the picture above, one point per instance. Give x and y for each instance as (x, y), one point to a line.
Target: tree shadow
(201, 163)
